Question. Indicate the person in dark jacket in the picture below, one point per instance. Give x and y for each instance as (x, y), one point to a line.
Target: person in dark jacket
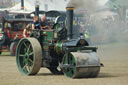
(44, 24)
(35, 24)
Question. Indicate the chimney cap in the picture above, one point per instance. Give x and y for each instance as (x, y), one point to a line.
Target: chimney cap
(69, 8)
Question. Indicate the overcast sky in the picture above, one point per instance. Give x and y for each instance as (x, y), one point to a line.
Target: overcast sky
(102, 2)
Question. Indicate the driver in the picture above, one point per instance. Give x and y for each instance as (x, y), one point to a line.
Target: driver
(43, 23)
(35, 24)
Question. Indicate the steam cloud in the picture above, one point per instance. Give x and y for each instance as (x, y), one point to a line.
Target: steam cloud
(89, 5)
(106, 27)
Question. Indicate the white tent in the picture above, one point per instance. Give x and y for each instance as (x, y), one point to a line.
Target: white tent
(45, 5)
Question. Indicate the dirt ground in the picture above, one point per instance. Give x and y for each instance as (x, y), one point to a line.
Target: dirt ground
(114, 56)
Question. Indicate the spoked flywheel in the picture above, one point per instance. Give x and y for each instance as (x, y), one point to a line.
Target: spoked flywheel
(80, 65)
(29, 56)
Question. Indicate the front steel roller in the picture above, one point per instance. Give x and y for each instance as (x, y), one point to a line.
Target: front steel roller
(81, 65)
(29, 56)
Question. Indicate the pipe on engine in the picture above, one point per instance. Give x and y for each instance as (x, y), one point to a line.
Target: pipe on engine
(22, 4)
(69, 23)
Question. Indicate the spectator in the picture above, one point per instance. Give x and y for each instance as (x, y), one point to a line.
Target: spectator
(27, 30)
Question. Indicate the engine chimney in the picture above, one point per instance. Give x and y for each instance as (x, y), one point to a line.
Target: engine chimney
(22, 4)
(69, 23)
(37, 10)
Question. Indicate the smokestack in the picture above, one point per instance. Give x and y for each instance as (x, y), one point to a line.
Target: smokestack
(69, 15)
(22, 4)
(37, 10)
(3, 21)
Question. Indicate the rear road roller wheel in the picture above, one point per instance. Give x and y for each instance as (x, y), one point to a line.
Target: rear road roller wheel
(81, 65)
(29, 56)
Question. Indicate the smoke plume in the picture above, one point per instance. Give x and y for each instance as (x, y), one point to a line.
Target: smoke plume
(104, 26)
(88, 5)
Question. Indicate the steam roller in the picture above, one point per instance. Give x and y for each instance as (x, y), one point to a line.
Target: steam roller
(57, 50)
